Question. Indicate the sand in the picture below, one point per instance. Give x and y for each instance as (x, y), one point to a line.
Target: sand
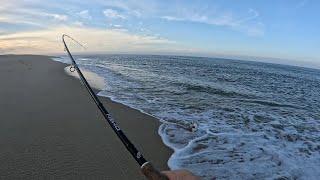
(51, 129)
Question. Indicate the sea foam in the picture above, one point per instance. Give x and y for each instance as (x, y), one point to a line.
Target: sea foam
(93, 79)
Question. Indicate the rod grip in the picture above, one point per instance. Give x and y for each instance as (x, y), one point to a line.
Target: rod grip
(152, 173)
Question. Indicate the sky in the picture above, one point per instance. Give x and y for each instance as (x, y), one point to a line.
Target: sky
(285, 30)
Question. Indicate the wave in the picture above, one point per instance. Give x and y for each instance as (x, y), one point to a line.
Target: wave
(269, 103)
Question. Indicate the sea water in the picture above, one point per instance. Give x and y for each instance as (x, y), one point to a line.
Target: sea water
(255, 120)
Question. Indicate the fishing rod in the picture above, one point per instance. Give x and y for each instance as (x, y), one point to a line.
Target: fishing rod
(146, 167)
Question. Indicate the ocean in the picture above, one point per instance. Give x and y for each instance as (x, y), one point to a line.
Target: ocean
(254, 120)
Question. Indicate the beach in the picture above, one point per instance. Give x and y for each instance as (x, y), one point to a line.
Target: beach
(51, 129)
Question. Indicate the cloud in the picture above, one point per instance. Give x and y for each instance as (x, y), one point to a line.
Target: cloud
(15, 21)
(57, 17)
(255, 30)
(84, 15)
(97, 40)
(252, 15)
(130, 7)
(246, 24)
(78, 23)
(206, 13)
(113, 14)
(31, 17)
(117, 25)
(171, 18)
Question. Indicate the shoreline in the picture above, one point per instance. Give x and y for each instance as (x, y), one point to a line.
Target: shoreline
(57, 131)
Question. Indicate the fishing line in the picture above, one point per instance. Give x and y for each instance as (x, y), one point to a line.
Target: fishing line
(146, 167)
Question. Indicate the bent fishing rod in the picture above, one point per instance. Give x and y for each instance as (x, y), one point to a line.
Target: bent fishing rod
(146, 167)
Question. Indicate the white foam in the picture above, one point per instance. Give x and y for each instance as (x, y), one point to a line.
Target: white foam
(93, 79)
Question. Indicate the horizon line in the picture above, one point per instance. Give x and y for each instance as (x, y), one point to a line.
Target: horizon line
(267, 60)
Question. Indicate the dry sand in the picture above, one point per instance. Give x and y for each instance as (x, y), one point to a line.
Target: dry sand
(51, 129)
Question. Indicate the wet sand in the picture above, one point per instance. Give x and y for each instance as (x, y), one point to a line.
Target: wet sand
(51, 129)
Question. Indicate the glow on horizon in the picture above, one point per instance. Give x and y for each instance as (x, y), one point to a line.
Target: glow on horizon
(286, 29)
